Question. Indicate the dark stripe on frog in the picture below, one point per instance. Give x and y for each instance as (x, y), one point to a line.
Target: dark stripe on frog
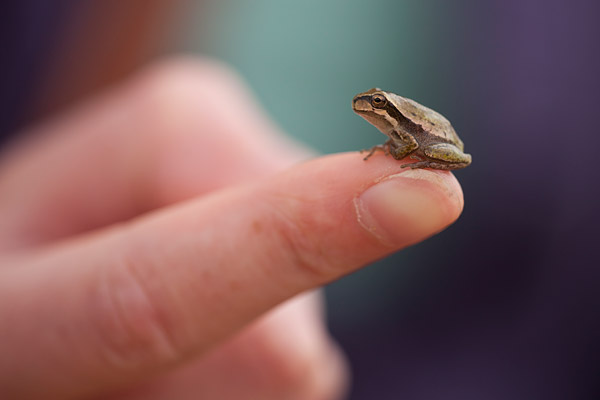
(402, 120)
(407, 124)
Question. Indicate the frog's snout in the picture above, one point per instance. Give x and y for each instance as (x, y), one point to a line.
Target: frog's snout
(360, 103)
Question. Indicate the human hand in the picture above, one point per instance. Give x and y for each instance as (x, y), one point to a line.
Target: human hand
(147, 234)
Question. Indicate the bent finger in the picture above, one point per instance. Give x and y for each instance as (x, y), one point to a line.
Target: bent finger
(161, 137)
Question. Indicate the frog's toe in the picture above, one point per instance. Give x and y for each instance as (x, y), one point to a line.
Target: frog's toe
(372, 150)
(380, 147)
(434, 165)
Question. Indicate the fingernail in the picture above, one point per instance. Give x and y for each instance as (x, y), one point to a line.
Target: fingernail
(410, 206)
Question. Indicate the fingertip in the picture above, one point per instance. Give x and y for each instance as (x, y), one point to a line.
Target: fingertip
(409, 206)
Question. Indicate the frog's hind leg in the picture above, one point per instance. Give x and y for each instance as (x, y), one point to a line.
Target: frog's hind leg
(443, 156)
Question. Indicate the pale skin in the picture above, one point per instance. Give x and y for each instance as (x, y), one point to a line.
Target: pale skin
(155, 246)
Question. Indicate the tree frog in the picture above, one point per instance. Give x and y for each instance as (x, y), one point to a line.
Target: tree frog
(412, 129)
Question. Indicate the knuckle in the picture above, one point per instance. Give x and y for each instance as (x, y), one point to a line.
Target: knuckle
(181, 103)
(129, 319)
(177, 86)
(172, 111)
(302, 243)
(192, 67)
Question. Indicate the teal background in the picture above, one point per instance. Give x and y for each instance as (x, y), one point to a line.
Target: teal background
(305, 61)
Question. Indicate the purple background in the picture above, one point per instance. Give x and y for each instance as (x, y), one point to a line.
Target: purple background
(509, 304)
(510, 308)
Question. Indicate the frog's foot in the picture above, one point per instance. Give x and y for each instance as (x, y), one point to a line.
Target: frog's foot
(372, 150)
(442, 156)
(434, 165)
(380, 147)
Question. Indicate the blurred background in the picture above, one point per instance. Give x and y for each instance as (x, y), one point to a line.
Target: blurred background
(505, 304)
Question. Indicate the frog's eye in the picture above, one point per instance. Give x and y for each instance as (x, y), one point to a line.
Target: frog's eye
(378, 101)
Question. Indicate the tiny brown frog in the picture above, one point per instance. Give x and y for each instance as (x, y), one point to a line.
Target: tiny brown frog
(412, 129)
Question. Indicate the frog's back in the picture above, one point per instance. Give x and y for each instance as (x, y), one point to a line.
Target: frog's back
(431, 121)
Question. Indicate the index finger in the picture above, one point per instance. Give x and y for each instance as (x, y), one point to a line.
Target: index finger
(139, 298)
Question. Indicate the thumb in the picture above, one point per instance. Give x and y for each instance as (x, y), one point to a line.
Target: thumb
(126, 302)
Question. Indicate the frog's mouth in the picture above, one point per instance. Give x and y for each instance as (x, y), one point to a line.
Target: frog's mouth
(378, 121)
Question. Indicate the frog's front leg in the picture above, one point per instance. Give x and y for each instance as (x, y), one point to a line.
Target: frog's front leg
(402, 144)
(399, 145)
(443, 156)
(380, 147)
